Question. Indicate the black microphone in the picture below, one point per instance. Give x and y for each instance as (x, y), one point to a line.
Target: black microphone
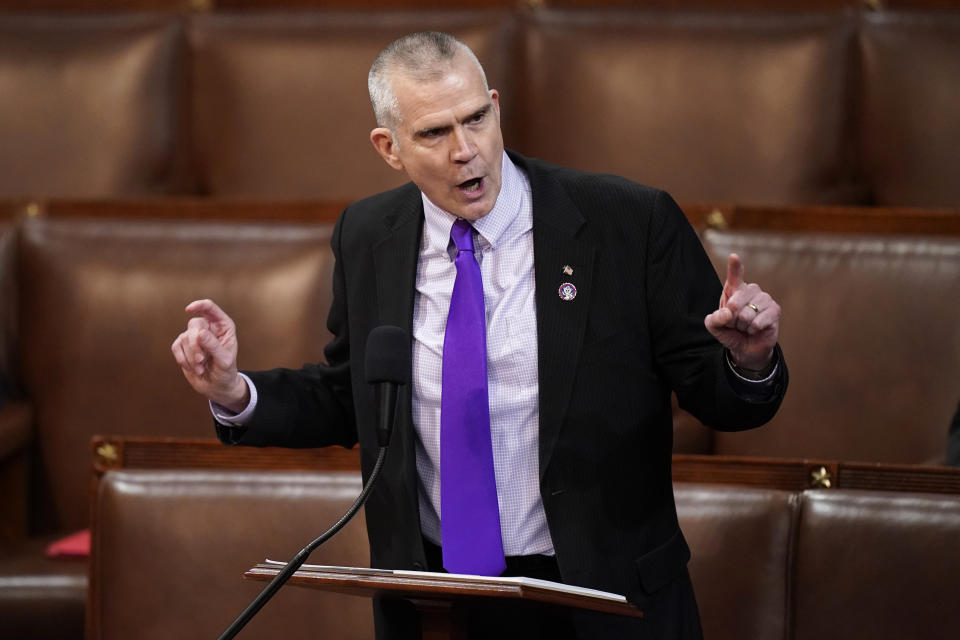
(387, 364)
(388, 367)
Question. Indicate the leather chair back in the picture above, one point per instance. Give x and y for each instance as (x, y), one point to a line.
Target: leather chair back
(740, 540)
(910, 129)
(170, 549)
(871, 333)
(873, 564)
(730, 107)
(102, 301)
(737, 105)
(91, 104)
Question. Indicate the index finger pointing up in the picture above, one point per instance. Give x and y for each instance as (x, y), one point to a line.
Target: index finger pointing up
(734, 276)
(208, 309)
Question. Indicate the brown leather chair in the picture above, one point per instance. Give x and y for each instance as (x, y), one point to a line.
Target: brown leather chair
(910, 127)
(41, 598)
(281, 106)
(736, 105)
(740, 540)
(822, 563)
(876, 565)
(170, 546)
(170, 549)
(730, 107)
(102, 300)
(183, 533)
(871, 333)
(100, 303)
(91, 104)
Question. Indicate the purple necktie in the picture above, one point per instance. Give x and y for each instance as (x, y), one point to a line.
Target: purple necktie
(469, 512)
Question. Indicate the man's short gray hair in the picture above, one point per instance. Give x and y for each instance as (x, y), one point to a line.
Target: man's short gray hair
(425, 56)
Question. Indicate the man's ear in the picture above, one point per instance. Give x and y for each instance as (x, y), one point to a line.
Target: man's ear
(495, 99)
(383, 142)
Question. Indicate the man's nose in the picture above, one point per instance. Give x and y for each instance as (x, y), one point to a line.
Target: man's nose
(463, 148)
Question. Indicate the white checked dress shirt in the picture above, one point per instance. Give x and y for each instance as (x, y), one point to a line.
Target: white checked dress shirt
(505, 252)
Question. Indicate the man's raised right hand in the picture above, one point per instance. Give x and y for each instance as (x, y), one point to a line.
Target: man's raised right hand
(207, 355)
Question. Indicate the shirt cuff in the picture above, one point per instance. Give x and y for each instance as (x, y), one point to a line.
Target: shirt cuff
(230, 419)
(765, 379)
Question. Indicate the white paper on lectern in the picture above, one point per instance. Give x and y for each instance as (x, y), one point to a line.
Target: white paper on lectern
(530, 582)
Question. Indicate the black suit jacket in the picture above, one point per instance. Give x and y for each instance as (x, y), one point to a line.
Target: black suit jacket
(608, 360)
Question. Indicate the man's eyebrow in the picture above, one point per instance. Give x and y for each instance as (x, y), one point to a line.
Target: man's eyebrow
(426, 131)
(482, 111)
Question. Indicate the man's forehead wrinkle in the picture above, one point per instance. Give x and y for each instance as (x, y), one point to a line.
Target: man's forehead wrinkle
(452, 84)
(430, 74)
(451, 98)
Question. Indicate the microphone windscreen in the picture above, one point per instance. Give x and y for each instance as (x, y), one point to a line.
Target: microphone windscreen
(388, 355)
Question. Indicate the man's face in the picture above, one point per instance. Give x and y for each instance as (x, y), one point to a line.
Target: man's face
(448, 139)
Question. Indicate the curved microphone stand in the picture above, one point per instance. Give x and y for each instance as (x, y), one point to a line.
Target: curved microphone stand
(274, 585)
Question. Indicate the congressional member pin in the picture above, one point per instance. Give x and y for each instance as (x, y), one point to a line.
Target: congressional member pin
(567, 292)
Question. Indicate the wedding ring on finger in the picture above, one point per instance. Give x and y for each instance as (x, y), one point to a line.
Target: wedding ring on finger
(755, 308)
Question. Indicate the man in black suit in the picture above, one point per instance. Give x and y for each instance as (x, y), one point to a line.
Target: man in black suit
(599, 302)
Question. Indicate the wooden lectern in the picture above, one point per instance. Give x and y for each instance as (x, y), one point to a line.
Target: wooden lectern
(441, 598)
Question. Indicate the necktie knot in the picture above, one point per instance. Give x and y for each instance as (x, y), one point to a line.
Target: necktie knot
(462, 235)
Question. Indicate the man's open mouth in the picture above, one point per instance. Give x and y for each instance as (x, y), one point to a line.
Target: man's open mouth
(471, 185)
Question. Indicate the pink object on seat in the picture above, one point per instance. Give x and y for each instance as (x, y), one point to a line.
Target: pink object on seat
(76, 545)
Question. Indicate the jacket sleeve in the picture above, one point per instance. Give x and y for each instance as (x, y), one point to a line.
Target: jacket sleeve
(682, 288)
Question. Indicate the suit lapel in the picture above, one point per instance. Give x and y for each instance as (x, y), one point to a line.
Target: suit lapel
(560, 323)
(395, 261)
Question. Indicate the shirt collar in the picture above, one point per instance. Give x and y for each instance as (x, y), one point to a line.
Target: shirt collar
(511, 216)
